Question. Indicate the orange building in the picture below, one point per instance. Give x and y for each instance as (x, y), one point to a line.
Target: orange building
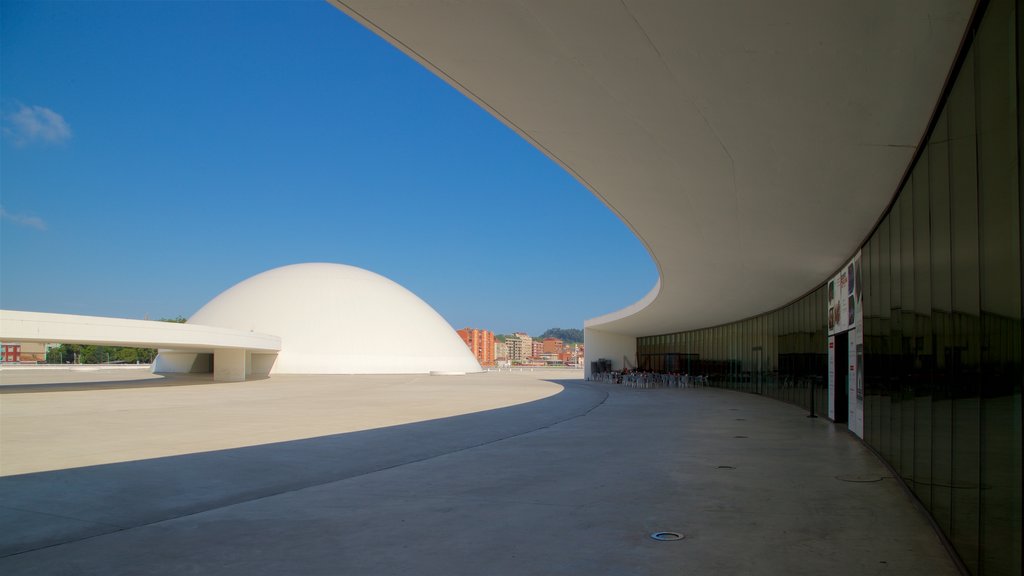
(481, 344)
(538, 349)
(553, 346)
(11, 353)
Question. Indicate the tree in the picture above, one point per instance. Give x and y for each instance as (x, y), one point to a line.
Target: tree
(55, 355)
(89, 354)
(569, 335)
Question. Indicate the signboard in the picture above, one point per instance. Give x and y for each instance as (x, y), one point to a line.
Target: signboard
(845, 296)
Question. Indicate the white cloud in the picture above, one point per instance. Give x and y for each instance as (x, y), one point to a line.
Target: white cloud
(36, 124)
(23, 220)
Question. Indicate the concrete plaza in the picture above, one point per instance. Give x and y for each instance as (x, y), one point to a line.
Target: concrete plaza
(495, 473)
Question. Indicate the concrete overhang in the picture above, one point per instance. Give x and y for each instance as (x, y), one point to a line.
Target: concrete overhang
(17, 326)
(751, 146)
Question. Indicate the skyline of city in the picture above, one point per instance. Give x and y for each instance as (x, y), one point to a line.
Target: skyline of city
(146, 170)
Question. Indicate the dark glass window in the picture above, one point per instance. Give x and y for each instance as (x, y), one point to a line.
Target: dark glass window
(998, 172)
(941, 278)
(920, 385)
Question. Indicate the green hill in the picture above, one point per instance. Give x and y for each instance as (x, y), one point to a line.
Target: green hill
(568, 335)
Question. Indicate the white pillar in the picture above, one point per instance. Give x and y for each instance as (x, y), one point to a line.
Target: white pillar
(229, 364)
(607, 345)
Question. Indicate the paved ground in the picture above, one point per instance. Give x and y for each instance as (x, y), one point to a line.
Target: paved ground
(570, 480)
(80, 418)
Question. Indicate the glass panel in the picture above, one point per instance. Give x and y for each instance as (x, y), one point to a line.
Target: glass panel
(908, 338)
(966, 315)
(924, 364)
(884, 337)
(872, 337)
(895, 340)
(1000, 290)
(867, 308)
(942, 305)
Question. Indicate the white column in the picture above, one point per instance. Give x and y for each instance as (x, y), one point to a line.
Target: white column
(607, 345)
(229, 364)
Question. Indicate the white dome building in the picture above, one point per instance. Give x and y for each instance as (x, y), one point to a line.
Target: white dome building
(334, 319)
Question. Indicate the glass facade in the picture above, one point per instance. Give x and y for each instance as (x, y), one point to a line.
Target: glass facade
(782, 354)
(942, 332)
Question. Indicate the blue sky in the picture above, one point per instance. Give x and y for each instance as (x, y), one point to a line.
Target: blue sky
(156, 153)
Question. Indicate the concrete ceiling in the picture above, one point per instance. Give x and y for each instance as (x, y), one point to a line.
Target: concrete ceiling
(750, 145)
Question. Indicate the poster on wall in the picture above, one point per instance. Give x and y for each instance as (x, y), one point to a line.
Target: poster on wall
(845, 298)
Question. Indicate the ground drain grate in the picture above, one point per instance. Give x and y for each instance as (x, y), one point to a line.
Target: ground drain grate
(741, 436)
(741, 419)
(726, 467)
(667, 536)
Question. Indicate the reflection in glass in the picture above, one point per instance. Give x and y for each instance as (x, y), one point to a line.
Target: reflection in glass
(941, 281)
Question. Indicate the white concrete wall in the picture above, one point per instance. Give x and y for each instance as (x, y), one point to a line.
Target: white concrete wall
(18, 326)
(174, 362)
(261, 364)
(607, 345)
(229, 365)
(183, 362)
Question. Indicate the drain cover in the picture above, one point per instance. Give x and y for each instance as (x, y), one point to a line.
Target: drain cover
(741, 436)
(667, 536)
(727, 467)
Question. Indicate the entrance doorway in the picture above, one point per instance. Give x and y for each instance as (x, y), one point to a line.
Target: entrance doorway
(840, 398)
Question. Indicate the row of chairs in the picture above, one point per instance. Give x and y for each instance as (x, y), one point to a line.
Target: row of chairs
(647, 380)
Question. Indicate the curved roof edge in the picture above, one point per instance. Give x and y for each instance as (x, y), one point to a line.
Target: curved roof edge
(732, 140)
(628, 311)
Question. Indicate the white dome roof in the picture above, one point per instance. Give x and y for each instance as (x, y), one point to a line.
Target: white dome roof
(338, 319)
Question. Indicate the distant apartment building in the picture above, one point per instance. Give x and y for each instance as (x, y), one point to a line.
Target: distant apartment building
(11, 353)
(25, 352)
(576, 356)
(34, 352)
(480, 343)
(538, 349)
(557, 353)
(553, 346)
(520, 347)
(550, 359)
(500, 351)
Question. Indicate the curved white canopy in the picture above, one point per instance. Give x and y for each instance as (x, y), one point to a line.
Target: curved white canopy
(750, 145)
(19, 326)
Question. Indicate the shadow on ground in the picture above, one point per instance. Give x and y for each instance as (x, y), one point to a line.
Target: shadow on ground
(45, 509)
